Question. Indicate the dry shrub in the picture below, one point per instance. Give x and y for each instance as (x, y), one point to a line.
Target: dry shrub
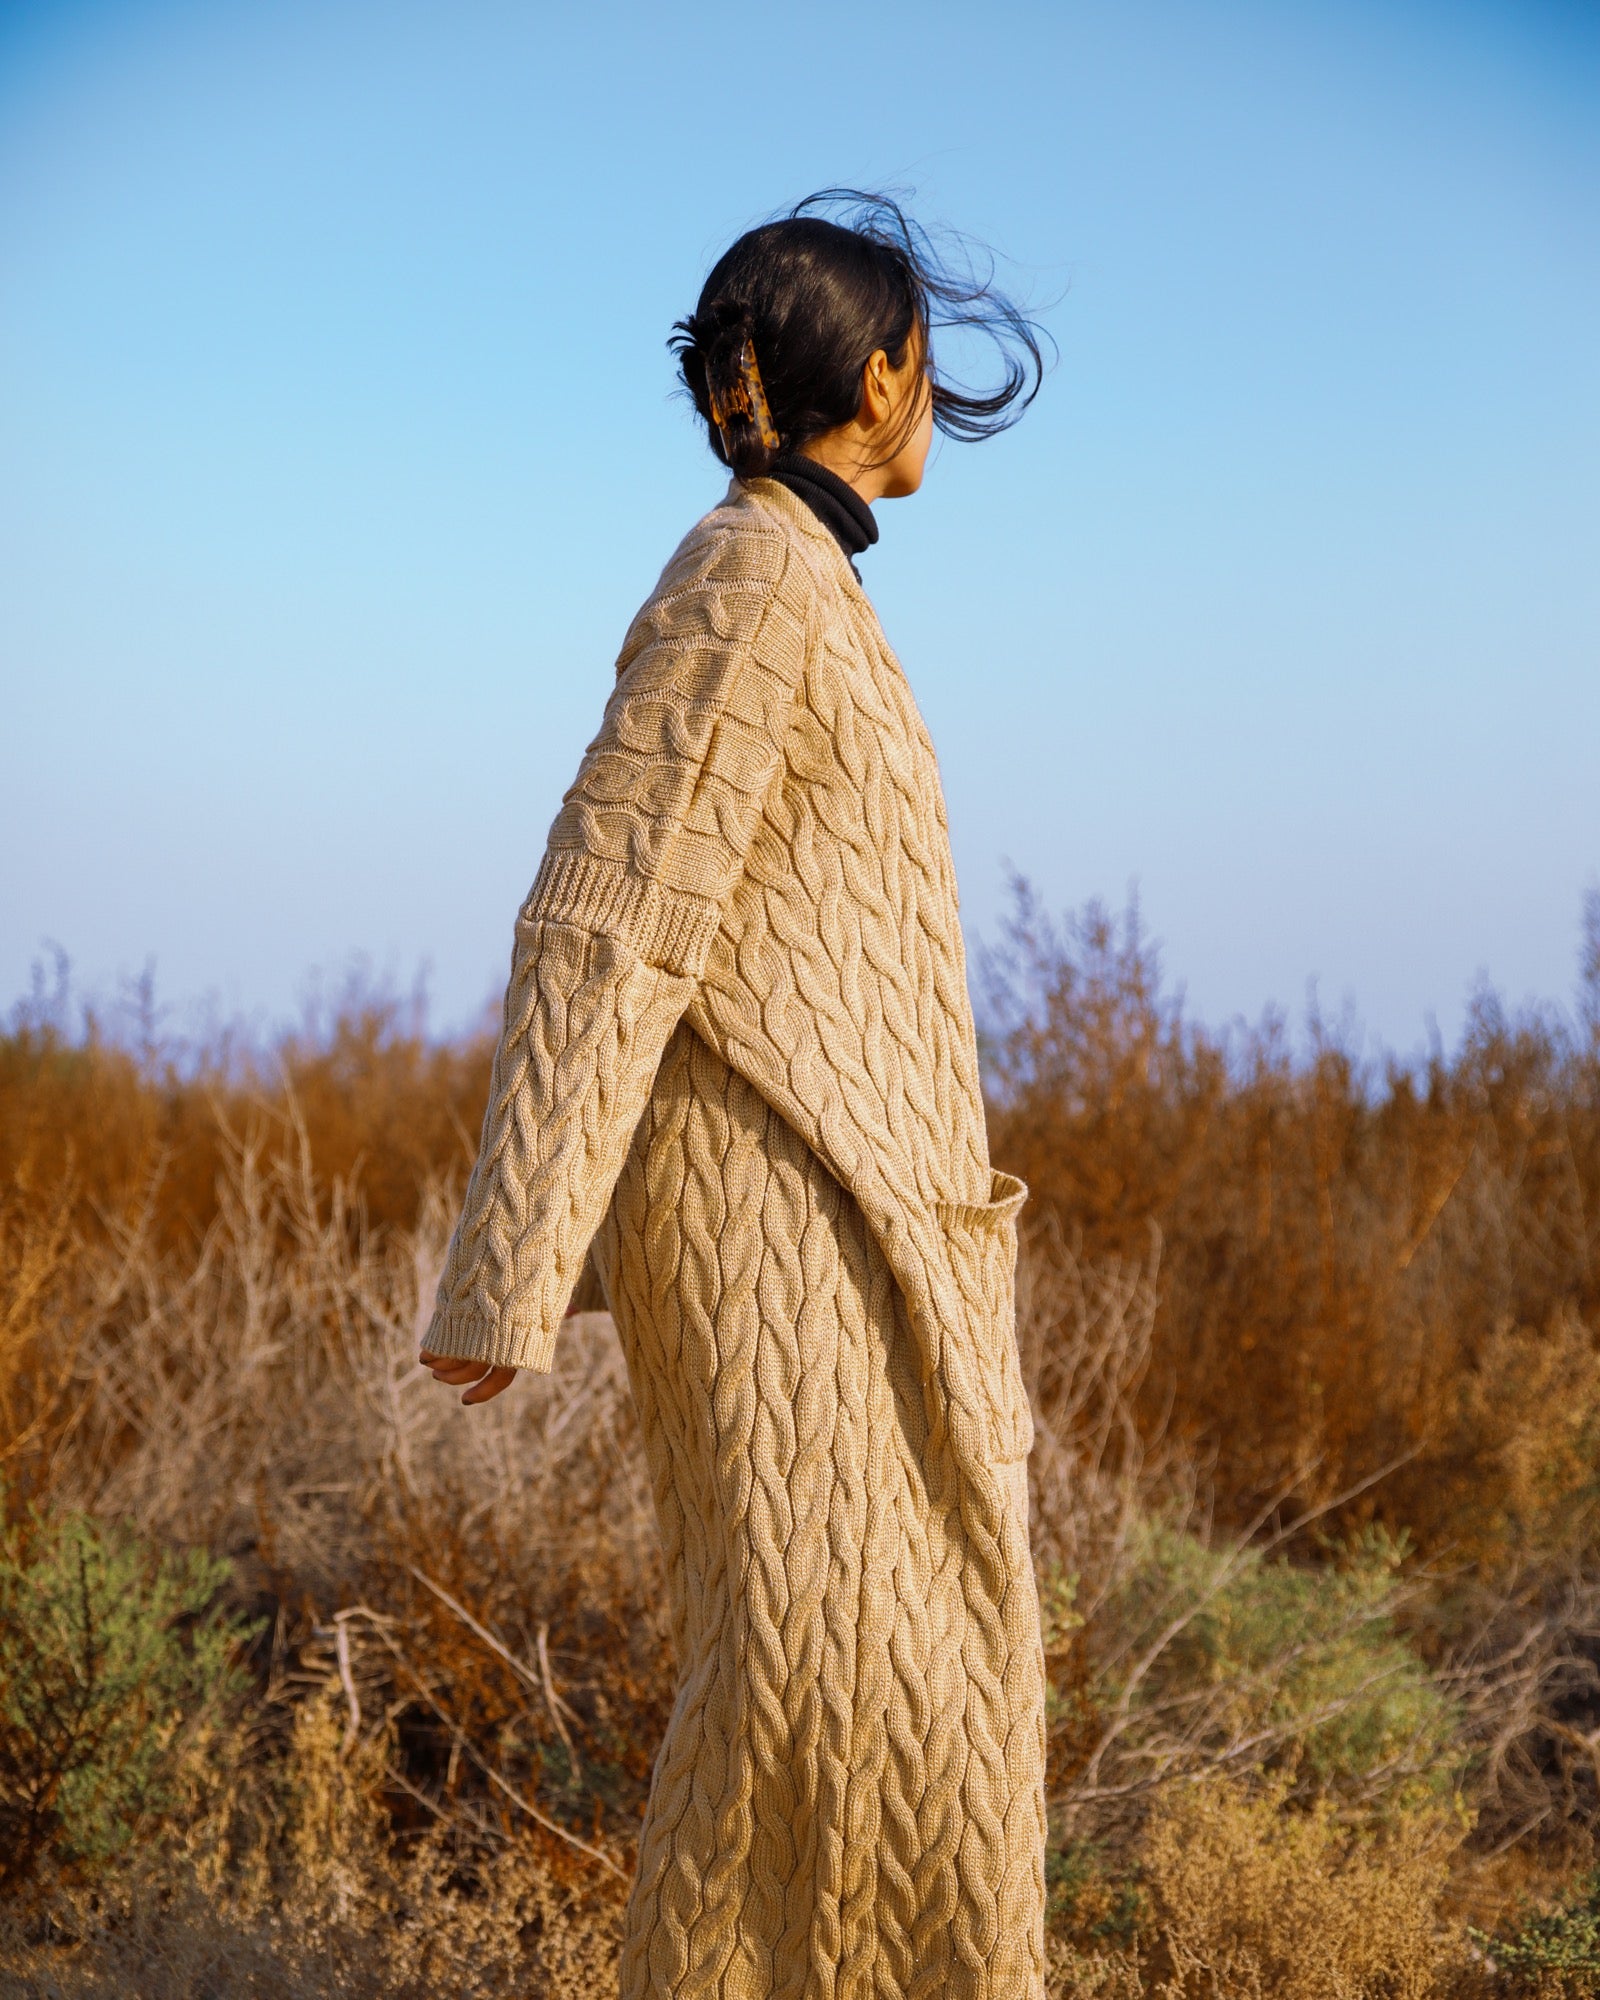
(1084, 1334)
(1362, 1262)
(129, 1120)
(43, 1312)
(1072, 1974)
(1250, 1899)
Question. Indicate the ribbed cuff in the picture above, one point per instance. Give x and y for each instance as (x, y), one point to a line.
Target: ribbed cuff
(462, 1333)
(1007, 1195)
(664, 927)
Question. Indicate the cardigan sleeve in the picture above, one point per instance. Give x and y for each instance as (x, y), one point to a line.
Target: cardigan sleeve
(650, 841)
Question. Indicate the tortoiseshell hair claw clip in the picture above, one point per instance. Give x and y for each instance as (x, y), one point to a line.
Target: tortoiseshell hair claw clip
(744, 397)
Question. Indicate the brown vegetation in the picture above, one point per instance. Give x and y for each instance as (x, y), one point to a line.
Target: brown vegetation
(1361, 1260)
(1312, 1346)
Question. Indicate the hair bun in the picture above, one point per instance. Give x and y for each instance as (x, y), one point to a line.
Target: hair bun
(736, 397)
(722, 327)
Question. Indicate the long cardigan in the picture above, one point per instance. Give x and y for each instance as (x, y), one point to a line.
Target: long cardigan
(756, 848)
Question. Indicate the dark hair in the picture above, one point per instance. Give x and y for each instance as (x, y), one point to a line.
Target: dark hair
(817, 297)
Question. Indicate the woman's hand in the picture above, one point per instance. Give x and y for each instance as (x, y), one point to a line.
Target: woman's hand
(486, 1381)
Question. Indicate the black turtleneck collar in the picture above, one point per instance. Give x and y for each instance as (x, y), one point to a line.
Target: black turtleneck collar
(838, 506)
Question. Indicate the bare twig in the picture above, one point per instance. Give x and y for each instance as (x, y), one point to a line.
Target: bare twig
(496, 1646)
(352, 1730)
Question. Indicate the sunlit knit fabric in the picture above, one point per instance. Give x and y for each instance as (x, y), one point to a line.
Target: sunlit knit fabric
(738, 1054)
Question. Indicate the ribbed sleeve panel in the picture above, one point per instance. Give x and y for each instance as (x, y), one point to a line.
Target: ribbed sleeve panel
(667, 929)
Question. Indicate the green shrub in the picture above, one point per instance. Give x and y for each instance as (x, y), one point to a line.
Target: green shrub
(1554, 1951)
(1303, 1662)
(107, 1648)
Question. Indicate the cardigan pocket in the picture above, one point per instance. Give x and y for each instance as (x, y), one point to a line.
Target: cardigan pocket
(982, 1239)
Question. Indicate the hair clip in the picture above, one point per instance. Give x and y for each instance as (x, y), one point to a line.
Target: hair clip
(746, 397)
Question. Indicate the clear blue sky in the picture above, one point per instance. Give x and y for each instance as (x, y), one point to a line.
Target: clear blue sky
(337, 448)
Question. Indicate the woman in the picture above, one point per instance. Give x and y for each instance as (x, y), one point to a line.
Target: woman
(738, 1058)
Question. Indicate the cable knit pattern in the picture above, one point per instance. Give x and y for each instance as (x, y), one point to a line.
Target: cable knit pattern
(738, 1054)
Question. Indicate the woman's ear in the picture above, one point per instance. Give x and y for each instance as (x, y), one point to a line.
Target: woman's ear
(876, 396)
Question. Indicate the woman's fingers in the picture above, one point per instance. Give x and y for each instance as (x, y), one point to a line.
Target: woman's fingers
(452, 1368)
(453, 1372)
(491, 1385)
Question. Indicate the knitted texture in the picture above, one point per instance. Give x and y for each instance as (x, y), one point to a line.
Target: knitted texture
(738, 1054)
(846, 1801)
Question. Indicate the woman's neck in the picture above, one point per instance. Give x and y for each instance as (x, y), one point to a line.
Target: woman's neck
(836, 504)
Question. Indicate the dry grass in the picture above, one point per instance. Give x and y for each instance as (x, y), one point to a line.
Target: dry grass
(1312, 1353)
(285, 1881)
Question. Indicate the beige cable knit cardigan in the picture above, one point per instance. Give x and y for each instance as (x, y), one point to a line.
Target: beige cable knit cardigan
(755, 849)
